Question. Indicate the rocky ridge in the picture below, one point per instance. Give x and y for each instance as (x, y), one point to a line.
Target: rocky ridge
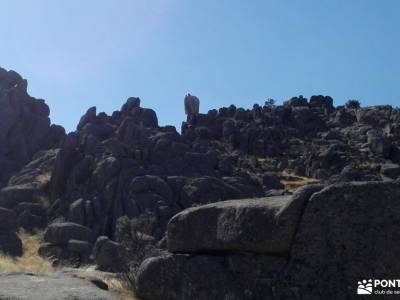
(124, 168)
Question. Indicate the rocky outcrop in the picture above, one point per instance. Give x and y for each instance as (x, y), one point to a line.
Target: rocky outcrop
(10, 243)
(125, 166)
(68, 243)
(331, 238)
(26, 192)
(227, 255)
(24, 125)
(348, 232)
(229, 226)
(61, 233)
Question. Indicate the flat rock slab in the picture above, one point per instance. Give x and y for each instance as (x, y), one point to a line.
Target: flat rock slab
(264, 225)
(20, 286)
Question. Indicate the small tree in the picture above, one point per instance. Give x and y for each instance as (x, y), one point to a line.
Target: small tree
(270, 102)
(134, 238)
(353, 104)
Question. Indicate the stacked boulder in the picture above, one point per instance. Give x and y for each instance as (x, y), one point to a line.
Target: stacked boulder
(67, 243)
(317, 244)
(10, 243)
(227, 250)
(26, 192)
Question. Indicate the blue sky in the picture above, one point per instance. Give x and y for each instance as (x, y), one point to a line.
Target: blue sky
(77, 54)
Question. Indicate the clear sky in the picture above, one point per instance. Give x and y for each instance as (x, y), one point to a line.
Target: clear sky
(76, 54)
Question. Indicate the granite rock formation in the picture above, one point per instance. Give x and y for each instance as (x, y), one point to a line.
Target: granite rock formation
(24, 125)
(329, 250)
(126, 168)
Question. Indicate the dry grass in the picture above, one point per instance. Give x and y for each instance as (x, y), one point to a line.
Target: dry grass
(43, 178)
(121, 288)
(115, 284)
(30, 261)
(292, 182)
(43, 201)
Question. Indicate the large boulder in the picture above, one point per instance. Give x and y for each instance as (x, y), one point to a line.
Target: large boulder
(11, 196)
(235, 225)
(348, 232)
(107, 254)
(61, 233)
(31, 182)
(208, 277)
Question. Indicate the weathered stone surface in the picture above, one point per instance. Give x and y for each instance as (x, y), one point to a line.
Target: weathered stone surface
(16, 286)
(33, 208)
(12, 195)
(235, 225)
(107, 254)
(207, 277)
(77, 212)
(10, 243)
(79, 246)
(7, 219)
(61, 233)
(348, 232)
(29, 222)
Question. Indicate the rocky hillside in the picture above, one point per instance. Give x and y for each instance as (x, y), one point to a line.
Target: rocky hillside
(24, 125)
(125, 171)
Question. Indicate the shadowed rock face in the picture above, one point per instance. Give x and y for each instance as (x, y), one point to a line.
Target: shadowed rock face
(10, 244)
(208, 277)
(24, 125)
(348, 232)
(344, 233)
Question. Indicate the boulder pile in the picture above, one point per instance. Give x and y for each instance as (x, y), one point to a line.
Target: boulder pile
(67, 241)
(170, 189)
